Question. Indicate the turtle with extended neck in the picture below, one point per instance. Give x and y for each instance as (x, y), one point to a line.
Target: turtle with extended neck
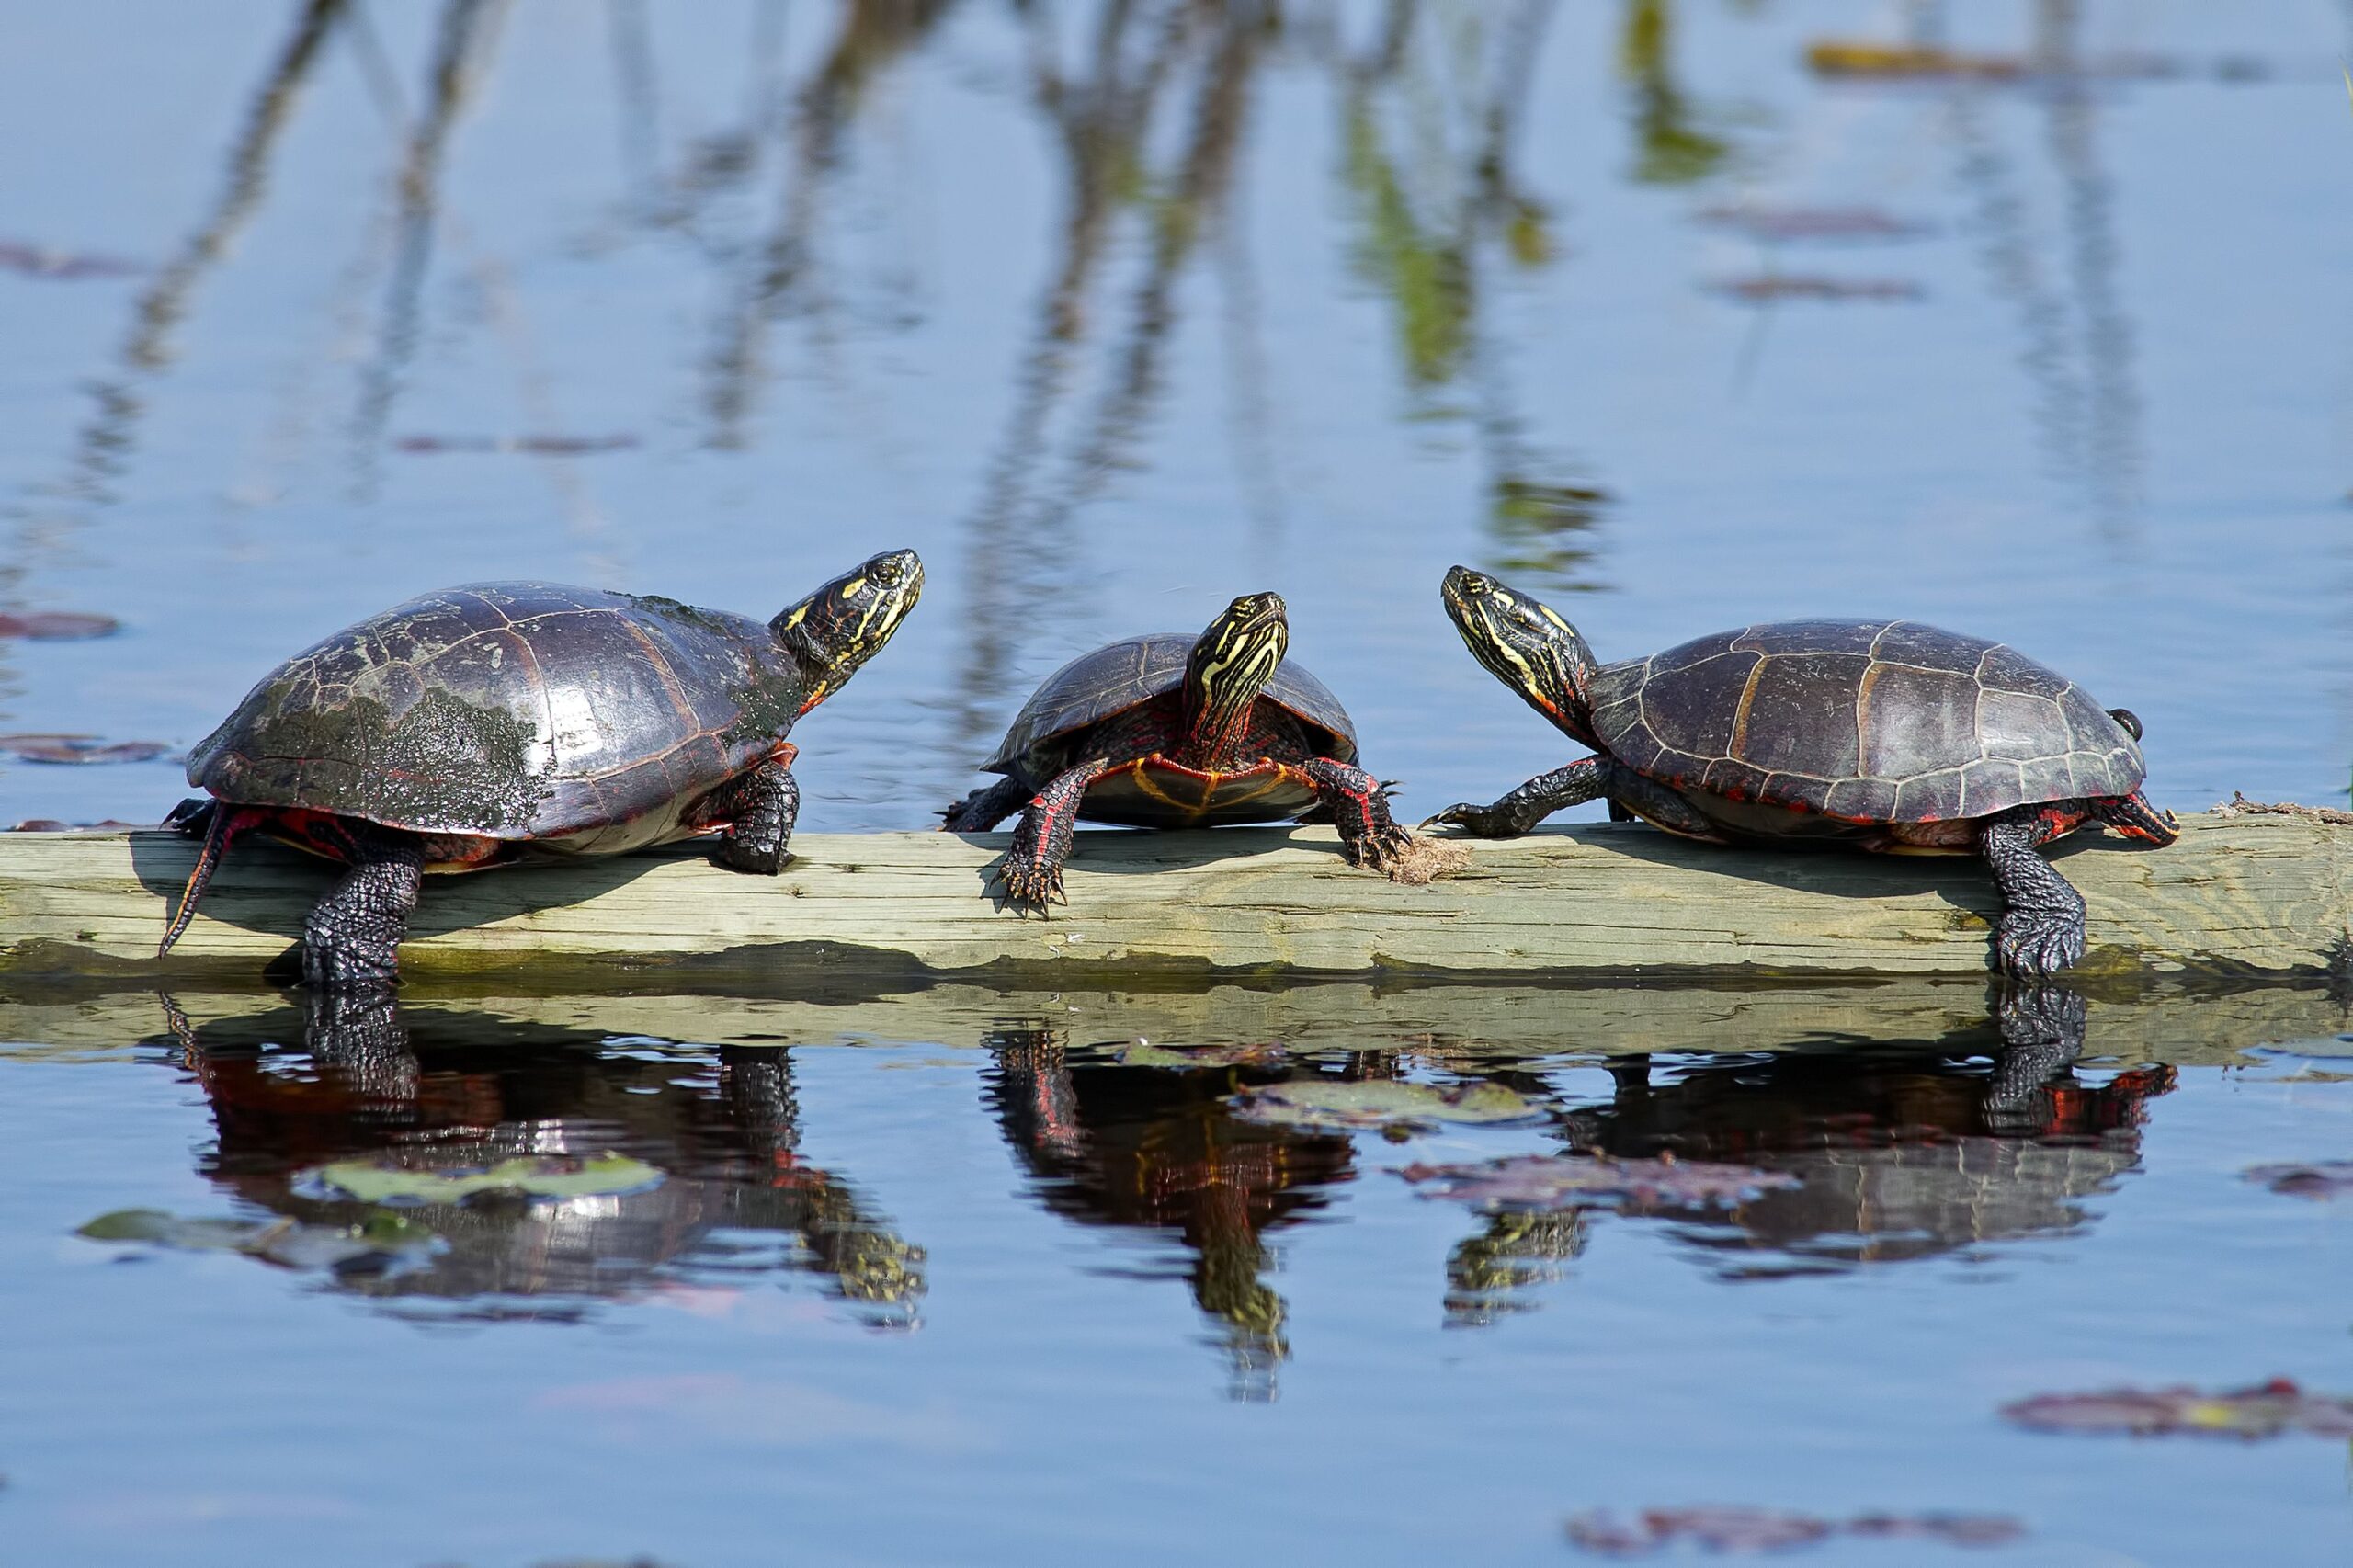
(1172, 730)
(1883, 735)
(470, 726)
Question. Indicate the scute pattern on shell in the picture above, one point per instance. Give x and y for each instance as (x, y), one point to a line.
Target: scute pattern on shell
(1119, 675)
(1870, 722)
(508, 710)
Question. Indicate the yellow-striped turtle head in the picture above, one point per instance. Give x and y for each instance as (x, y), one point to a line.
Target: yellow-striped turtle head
(845, 623)
(1232, 661)
(1526, 645)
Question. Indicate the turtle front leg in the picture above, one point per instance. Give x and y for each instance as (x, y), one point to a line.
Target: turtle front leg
(2042, 929)
(1358, 804)
(1031, 871)
(1532, 801)
(351, 940)
(984, 809)
(763, 804)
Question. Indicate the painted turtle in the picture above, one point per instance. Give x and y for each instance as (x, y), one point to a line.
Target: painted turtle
(1886, 734)
(1177, 731)
(467, 727)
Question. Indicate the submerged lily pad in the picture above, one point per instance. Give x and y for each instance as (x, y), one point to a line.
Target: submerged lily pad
(533, 1175)
(1379, 1103)
(1735, 1529)
(1559, 1181)
(286, 1242)
(1143, 1053)
(2264, 1410)
(78, 749)
(2322, 1179)
(56, 625)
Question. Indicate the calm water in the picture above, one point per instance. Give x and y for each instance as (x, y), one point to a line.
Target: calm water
(1114, 312)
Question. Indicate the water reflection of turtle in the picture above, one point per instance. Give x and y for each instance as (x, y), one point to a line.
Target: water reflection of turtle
(1157, 1148)
(468, 726)
(1176, 731)
(1899, 1152)
(1886, 735)
(450, 1094)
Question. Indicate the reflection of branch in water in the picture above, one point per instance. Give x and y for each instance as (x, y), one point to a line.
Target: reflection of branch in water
(637, 93)
(780, 274)
(1433, 270)
(2087, 414)
(106, 440)
(461, 54)
(1672, 149)
(2111, 455)
(1101, 121)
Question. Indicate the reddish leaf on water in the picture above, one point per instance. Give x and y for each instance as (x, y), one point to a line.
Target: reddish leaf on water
(41, 261)
(1775, 286)
(2322, 1179)
(1813, 222)
(57, 625)
(537, 446)
(78, 749)
(1558, 1181)
(1737, 1528)
(2264, 1410)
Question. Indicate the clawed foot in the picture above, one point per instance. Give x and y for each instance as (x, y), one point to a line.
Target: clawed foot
(1378, 850)
(951, 816)
(2031, 946)
(1031, 884)
(1480, 821)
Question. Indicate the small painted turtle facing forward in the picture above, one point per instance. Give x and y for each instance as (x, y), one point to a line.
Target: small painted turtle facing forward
(1178, 731)
(466, 727)
(1885, 734)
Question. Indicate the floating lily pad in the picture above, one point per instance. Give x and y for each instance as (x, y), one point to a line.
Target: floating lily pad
(2322, 1179)
(2265, 1410)
(57, 626)
(534, 1176)
(1560, 1181)
(285, 1243)
(1379, 1103)
(1143, 1053)
(1735, 1528)
(78, 749)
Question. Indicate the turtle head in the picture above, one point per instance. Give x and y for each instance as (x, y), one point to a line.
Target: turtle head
(846, 622)
(1231, 663)
(1527, 646)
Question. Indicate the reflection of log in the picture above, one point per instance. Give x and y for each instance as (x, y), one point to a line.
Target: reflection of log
(1463, 1025)
(2238, 894)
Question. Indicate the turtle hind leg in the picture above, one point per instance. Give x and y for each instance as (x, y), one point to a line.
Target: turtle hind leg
(763, 804)
(984, 809)
(1358, 806)
(351, 940)
(2041, 927)
(1031, 871)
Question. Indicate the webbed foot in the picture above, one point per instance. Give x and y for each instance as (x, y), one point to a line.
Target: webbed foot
(2031, 944)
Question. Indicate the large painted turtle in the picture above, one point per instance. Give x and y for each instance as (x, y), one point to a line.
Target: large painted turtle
(1178, 731)
(469, 726)
(1886, 734)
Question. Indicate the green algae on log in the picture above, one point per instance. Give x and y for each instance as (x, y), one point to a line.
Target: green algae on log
(2245, 896)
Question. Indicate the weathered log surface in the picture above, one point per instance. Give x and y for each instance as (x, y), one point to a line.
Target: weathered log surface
(2251, 896)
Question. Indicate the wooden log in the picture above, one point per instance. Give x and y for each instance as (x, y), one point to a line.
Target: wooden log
(1447, 1022)
(2256, 896)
